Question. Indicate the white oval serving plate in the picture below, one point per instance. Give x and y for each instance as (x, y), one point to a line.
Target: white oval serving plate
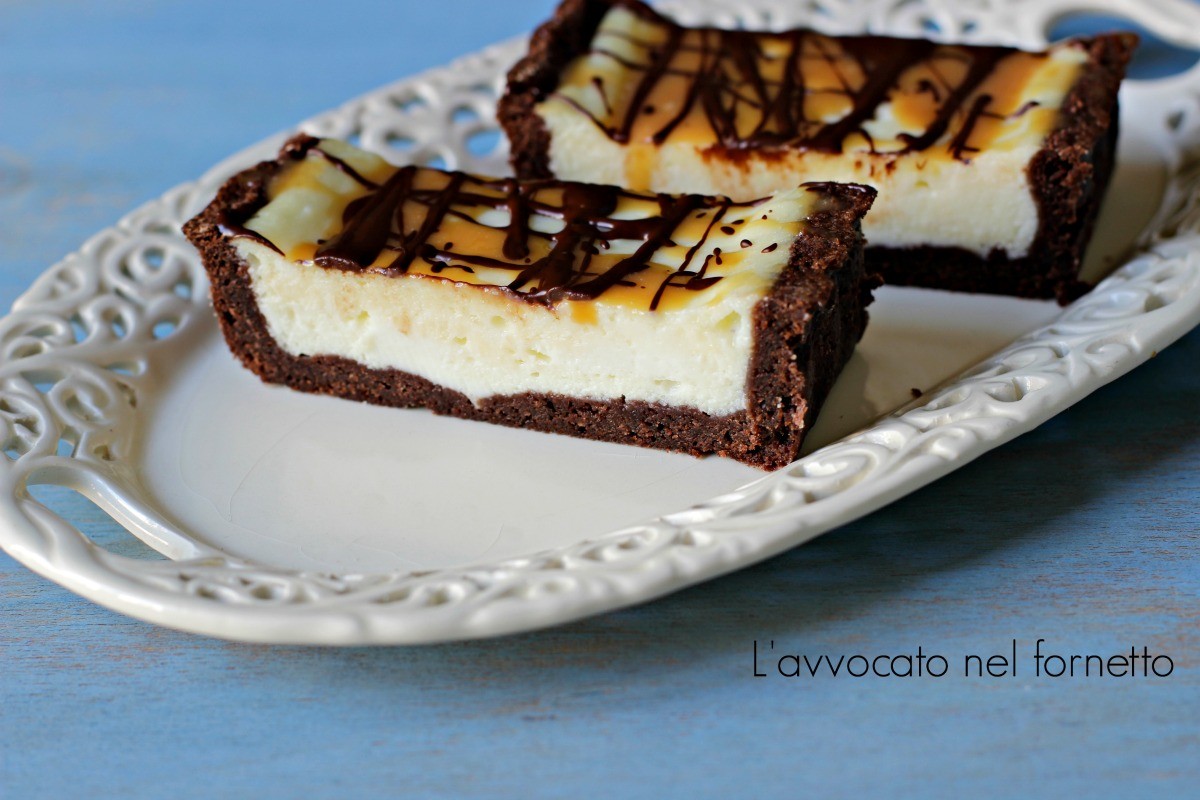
(292, 518)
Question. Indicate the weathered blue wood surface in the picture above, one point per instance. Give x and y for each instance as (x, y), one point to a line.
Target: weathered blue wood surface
(1083, 533)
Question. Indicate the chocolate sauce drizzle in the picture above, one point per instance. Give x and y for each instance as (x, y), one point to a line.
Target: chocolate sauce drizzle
(378, 223)
(729, 79)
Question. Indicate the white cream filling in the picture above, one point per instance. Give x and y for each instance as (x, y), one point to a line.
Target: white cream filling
(648, 338)
(925, 198)
(482, 342)
(978, 206)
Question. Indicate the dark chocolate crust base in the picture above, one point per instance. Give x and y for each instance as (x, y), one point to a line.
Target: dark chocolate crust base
(805, 331)
(554, 44)
(1068, 176)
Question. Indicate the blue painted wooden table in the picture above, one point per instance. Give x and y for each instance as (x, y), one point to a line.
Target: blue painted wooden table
(1083, 533)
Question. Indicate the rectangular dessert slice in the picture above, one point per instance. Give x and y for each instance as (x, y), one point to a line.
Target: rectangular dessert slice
(990, 161)
(682, 322)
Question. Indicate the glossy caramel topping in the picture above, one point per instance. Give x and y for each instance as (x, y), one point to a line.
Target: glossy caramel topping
(544, 241)
(647, 80)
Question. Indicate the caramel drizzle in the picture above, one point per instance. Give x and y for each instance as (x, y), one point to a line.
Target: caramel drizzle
(375, 224)
(729, 76)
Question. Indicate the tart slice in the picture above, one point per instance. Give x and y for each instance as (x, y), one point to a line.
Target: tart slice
(990, 161)
(682, 322)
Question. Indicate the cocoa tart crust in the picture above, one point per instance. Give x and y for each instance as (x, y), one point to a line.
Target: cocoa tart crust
(805, 330)
(1068, 176)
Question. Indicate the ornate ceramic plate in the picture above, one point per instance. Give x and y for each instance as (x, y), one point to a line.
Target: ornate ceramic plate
(290, 518)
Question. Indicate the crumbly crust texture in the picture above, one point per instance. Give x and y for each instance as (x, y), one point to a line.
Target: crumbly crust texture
(805, 331)
(1068, 176)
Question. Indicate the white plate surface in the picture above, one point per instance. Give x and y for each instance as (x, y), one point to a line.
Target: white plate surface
(293, 518)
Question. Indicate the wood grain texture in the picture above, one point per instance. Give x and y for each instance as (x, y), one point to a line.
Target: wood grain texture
(1083, 532)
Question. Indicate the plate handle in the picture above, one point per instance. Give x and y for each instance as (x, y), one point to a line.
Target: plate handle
(1174, 21)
